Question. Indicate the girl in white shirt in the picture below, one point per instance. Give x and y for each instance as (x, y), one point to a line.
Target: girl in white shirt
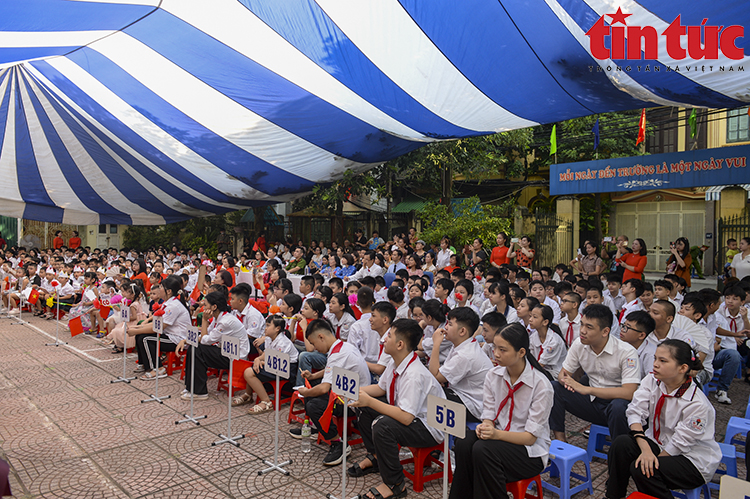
(678, 451)
(546, 342)
(277, 339)
(512, 443)
(499, 296)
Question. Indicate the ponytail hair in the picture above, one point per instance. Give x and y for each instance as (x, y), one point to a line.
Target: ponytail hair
(217, 299)
(343, 300)
(136, 290)
(518, 337)
(549, 315)
(279, 322)
(317, 305)
(683, 353)
(436, 310)
(173, 284)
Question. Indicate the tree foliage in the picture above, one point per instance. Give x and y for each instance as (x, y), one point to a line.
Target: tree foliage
(463, 222)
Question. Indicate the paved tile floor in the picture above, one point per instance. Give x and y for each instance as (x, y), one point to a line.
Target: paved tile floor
(68, 432)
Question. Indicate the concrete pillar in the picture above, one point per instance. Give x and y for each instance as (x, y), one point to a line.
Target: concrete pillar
(710, 254)
(569, 208)
(733, 201)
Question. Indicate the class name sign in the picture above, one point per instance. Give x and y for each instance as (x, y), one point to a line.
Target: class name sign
(697, 168)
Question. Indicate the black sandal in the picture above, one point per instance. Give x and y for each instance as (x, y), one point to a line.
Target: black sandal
(398, 490)
(356, 471)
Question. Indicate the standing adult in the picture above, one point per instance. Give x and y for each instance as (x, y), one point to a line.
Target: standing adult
(741, 261)
(261, 242)
(680, 261)
(3, 243)
(525, 253)
(590, 263)
(375, 241)
(75, 241)
(222, 241)
(443, 258)
(58, 242)
(633, 263)
(476, 254)
(621, 245)
(501, 254)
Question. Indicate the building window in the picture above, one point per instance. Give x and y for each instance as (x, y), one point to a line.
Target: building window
(737, 125)
(113, 229)
(102, 228)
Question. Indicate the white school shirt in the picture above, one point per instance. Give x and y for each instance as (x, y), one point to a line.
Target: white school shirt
(486, 307)
(686, 424)
(465, 369)
(741, 265)
(443, 259)
(374, 270)
(413, 384)
(730, 323)
(631, 306)
(252, 320)
(646, 356)
(402, 312)
(700, 336)
(551, 353)
(652, 342)
(566, 324)
(349, 358)
(607, 301)
(341, 326)
(364, 338)
(509, 313)
(230, 325)
(176, 320)
(384, 358)
(445, 346)
(554, 306)
(708, 362)
(284, 345)
(66, 289)
(617, 364)
(47, 286)
(678, 299)
(468, 304)
(532, 404)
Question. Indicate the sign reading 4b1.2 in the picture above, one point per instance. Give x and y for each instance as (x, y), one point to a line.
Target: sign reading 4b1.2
(277, 363)
(446, 416)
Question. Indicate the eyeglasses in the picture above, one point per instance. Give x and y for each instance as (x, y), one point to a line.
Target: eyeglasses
(625, 328)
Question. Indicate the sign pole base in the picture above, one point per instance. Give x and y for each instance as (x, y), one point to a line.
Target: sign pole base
(191, 417)
(155, 397)
(228, 438)
(124, 378)
(276, 465)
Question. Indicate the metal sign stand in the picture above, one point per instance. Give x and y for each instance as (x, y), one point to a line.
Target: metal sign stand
(278, 363)
(125, 314)
(192, 340)
(158, 328)
(57, 342)
(230, 348)
(450, 418)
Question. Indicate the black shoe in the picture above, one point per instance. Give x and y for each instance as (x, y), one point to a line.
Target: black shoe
(336, 454)
(297, 433)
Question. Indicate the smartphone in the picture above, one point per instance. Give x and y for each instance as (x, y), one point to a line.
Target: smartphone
(608, 239)
(514, 240)
(579, 252)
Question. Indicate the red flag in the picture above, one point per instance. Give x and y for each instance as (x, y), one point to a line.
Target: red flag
(33, 297)
(325, 419)
(75, 326)
(255, 246)
(641, 127)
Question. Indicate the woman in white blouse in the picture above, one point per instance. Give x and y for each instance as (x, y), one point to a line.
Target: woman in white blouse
(512, 443)
(678, 451)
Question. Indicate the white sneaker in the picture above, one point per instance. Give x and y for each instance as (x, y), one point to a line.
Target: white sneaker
(186, 396)
(722, 398)
(150, 376)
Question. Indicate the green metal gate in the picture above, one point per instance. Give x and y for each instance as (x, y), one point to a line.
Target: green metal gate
(553, 241)
(735, 227)
(9, 230)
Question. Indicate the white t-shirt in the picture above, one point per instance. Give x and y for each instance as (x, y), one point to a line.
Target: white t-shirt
(741, 265)
(176, 320)
(364, 338)
(465, 369)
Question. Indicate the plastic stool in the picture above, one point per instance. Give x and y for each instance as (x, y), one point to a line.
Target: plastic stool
(350, 432)
(519, 489)
(469, 427)
(693, 493)
(729, 458)
(736, 425)
(422, 456)
(295, 415)
(747, 410)
(272, 392)
(597, 441)
(174, 362)
(562, 457)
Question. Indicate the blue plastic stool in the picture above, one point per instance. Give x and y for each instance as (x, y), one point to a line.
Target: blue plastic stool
(469, 427)
(597, 441)
(729, 458)
(747, 410)
(693, 493)
(737, 425)
(562, 457)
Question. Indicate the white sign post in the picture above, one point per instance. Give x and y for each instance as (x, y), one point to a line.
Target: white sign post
(158, 327)
(125, 316)
(192, 339)
(450, 418)
(277, 363)
(25, 297)
(230, 348)
(346, 385)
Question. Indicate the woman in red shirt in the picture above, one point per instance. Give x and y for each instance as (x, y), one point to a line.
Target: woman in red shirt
(634, 262)
(75, 241)
(501, 254)
(58, 242)
(525, 255)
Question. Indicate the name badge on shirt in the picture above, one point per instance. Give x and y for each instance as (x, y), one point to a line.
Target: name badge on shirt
(446, 416)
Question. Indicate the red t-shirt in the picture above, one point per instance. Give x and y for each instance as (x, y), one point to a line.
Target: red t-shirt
(57, 242)
(74, 243)
(500, 255)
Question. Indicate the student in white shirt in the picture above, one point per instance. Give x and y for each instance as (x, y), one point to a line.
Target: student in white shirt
(594, 297)
(465, 366)
(208, 353)
(570, 322)
(383, 315)
(249, 316)
(340, 315)
(637, 326)
(464, 291)
(396, 298)
(512, 443)
(663, 313)
(499, 297)
(537, 290)
(694, 309)
(492, 323)
(729, 325)
(678, 450)
(434, 318)
(546, 342)
(340, 354)
(276, 339)
(444, 255)
(614, 284)
(400, 419)
(632, 290)
(525, 306)
(613, 372)
(360, 334)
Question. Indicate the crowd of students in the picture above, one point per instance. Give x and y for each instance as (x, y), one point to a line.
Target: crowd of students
(519, 348)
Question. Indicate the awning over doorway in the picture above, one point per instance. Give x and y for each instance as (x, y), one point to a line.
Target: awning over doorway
(714, 193)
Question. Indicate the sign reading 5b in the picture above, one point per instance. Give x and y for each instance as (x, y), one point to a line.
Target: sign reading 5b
(277, 363)
(230, 347)
(158, 325)
(446, 416)
(345, 383)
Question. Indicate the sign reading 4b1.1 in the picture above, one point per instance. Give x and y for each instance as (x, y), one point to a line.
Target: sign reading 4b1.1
(230, 347)
(277, 363)
(345, 383)
(446, 416)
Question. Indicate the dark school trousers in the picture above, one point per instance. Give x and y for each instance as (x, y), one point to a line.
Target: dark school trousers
(454, 397)
(609, 413)
(205, 356)
(483, 467)
(383, 438)
(316, 406)
(674, 472)
(147, 349)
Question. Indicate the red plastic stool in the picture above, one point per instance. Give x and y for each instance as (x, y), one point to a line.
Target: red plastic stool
(519, 489)
(294, 415)
(174, 362)
(272, 392)
(640, 495)
(238, 377)
(422, 456)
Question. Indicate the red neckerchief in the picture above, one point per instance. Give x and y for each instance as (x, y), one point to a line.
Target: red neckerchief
(660, 404)
(569, 334)
(337, 347)
(511, 391)
(392, 391)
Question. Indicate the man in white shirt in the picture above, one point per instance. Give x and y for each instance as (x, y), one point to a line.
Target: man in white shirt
(369, 268)
(613, 372)
(632, 291)
(636, 327)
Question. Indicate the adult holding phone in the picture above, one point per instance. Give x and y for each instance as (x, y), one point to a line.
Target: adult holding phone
(680, 261)
(590, 263)
(633, 262)
(525, 253)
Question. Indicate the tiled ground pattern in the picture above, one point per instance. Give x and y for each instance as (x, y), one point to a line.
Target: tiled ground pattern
(68, 432)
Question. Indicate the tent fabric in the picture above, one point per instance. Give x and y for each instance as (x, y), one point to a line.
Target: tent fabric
(148, 111)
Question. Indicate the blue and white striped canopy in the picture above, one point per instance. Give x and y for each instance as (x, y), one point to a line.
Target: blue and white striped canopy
(147, 111)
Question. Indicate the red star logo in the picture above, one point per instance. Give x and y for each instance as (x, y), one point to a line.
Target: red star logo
(619, 17)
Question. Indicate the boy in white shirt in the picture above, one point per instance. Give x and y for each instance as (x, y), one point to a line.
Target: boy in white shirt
(249, 316)
(383, 315)
(636, 327)
(394, 412)
(492, 323)
(632, 290)
(360, 334)
(538, 291)
(695, 309)
(730, 324)
(466, 365)
(614, 283)
(570, 322)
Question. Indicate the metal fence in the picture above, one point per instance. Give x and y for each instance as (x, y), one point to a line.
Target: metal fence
(735, 227)
(553, 240)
